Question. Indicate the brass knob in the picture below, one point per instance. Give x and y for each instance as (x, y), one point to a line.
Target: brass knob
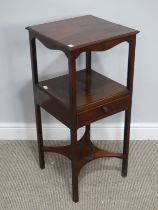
(104, 108)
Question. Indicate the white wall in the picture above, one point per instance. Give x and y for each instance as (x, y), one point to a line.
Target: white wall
(16, 97)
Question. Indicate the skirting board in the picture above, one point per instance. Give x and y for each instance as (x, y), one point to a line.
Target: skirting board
(19, 131)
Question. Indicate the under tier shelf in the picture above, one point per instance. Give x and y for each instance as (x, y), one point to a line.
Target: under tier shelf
(95, 92)
(92, 88)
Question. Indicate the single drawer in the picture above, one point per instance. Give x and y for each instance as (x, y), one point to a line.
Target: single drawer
(103, 110)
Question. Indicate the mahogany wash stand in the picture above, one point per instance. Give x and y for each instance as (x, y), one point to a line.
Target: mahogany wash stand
(82, 97)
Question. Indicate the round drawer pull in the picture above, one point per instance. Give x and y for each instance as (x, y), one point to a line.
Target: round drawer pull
(105, 109)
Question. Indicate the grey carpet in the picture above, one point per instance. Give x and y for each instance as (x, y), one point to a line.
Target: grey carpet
(24, 186)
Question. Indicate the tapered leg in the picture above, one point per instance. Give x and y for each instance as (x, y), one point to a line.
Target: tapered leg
(73, 130)
(75, 196)
(130, 75)
(126, 142)
(88, 60)
(37, 108)
(88, 83)
(88, 132)
(39, 136)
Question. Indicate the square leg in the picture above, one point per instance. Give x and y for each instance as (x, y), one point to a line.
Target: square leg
(126, 142)
(39, 136)
(74, 164)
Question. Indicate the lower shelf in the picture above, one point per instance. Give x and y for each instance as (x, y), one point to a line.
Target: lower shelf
(97, 97)
(93, 89)
(85, 152)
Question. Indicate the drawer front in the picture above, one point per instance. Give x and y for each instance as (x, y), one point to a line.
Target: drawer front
(102, 111)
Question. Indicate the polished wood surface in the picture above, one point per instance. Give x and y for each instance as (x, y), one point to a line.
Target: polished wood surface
(94, 93)
(92, 89)
(82, 97)
(81, 34)
(82, 31)
(103, 111)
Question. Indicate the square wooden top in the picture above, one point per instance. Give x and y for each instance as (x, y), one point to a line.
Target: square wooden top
(81, 31)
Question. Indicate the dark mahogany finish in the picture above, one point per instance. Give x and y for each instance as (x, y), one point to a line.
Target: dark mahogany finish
(82, 97)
